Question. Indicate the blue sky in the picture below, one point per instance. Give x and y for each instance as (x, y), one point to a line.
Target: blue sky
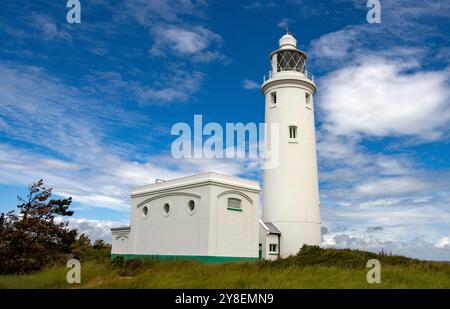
(89, 107)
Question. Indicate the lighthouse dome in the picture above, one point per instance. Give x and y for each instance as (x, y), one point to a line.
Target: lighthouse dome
(288, 41)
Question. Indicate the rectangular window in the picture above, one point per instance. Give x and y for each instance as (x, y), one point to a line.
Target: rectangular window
(273, 248)
(308, 100)
(234, 204)
(292, 132)
(273, 98)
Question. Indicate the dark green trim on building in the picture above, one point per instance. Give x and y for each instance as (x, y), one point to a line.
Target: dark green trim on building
(273, 253)
(199, 258)
(234, 209)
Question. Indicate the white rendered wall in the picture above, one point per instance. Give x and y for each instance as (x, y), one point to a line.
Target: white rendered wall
(290, 192)
(262, 233)
(265, 240)
(121, 242)
(271, 239)
(234, 233)
(177, 234)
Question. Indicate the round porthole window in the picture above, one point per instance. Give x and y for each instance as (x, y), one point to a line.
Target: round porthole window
(145, 211)
(166, 209)
(191, 207)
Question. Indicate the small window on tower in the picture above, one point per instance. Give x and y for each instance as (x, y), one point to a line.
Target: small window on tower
(292, 132)
(308, 100)
(273, 97)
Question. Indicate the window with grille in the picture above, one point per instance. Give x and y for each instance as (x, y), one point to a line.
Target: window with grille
(273, 248)
(292, 132)
(291, 60)
(234, 204)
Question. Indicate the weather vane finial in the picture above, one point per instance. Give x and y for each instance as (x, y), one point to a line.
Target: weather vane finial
(287, 30)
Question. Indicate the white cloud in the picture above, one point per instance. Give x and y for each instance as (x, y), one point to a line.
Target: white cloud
(177, 86)
(378, 97)
(184, 41)
(171, 34)
(375, 189)
(95, 229)
(194, 42)
(250, 84)
(259, 4)
(443, 242)
(209, 56)
(284, 23)
(389, 186)
(98, 51)
(375, 239)
(48, 28)
(149, 12)
(372, 229)
(335, 45)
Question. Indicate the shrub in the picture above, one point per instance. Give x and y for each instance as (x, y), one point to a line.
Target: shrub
(83, 250)
(33, 238)
(118, 262)
(343, 258)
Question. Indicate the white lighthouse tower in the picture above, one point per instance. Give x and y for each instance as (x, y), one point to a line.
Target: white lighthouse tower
(290, 192)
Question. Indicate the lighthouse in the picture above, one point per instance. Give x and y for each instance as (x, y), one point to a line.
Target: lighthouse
(291, 203)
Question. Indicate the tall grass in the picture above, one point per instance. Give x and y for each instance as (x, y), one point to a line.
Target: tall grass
(311, 268)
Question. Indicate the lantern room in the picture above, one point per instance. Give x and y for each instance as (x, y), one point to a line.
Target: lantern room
(288, 57)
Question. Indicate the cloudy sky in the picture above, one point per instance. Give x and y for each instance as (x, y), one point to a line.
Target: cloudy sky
(89, 107)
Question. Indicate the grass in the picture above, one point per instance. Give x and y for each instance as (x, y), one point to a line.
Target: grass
(311, 268)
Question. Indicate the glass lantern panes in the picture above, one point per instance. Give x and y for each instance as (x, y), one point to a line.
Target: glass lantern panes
(290, 60)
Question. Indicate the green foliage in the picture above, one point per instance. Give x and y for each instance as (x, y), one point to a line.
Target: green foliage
(33, 238)
(342, 258)
(131, 267)
(83, 250)
(118, 262)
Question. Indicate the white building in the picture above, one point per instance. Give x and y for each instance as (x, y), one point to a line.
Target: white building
(213, 217)
(207, 217)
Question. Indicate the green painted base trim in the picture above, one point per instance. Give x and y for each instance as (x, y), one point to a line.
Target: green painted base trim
(234, 209)
(199, 258)
(273, 253)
